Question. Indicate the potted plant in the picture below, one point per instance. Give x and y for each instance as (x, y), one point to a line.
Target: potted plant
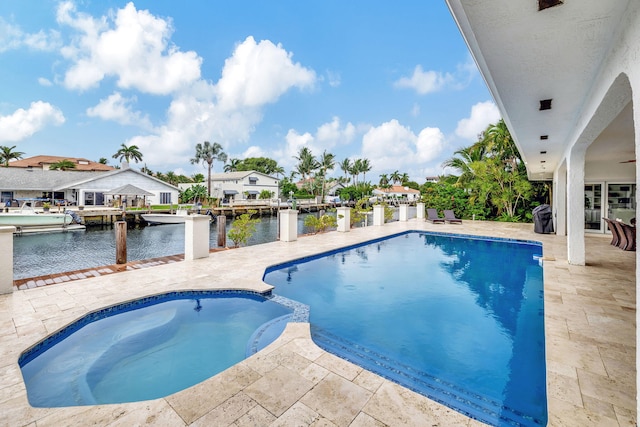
(46, 206)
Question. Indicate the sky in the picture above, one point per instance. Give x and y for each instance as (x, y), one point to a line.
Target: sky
(387, 81)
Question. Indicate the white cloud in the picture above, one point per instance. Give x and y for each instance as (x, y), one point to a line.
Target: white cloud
(258, 74)
(134, 47)
(253, 151)
(327, 136)
(24, 123)
(12, 37)
(118, 109)
(392, 146)
(415, 110)
(424, 82)
(44, 81)
(482, 115)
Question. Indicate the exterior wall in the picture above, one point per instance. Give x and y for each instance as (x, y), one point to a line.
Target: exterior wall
(232, 182)
(140, 180)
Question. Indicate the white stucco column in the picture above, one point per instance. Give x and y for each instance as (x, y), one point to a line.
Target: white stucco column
(420, 211)
(378, 215)
(288, 225)
(575, 206)
(196, 237)
(559, 201)
(6, 259)
(403, 214)
(344, 218)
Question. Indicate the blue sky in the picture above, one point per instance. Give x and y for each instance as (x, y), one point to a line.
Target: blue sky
(391, 82)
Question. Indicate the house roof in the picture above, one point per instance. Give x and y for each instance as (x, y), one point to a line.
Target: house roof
(39, 179)
(128, 190)
(43, 160)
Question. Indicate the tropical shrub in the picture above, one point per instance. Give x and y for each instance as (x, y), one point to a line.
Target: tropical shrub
(243, 228)
(320, 224)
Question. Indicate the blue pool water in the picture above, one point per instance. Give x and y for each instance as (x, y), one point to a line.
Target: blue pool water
(146, 349)
(456, 318)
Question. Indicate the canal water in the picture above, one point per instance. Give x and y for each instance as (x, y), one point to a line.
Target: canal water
(49, 253)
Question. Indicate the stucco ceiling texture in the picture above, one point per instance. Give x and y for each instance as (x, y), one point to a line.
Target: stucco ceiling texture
(528, 55)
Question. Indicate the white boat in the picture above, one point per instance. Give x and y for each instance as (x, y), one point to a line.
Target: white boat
(178, 218)
(26, 216)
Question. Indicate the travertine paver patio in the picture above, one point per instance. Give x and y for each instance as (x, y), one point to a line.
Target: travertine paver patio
(590, 345)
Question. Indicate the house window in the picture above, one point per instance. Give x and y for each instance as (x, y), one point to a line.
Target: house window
(165, 198)
(6, 195)
(253, 180)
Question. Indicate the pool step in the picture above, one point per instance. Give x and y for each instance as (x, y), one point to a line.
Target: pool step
(464, 401)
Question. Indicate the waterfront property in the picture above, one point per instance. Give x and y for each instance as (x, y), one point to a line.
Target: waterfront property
(230, 187)
(589, 330)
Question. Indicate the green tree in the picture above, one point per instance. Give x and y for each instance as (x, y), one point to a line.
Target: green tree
(346, 166)
(307, 163)
(128, 153)
(365, 166)
(384, 181)
(197, 177)
(265, 194)
(171, 178)
(243, 228)
(232, 166)
(263, 165)
(7, 154)
(327, 162)
(103, 160)
(208, 153)
(63, 165)
(395, 177)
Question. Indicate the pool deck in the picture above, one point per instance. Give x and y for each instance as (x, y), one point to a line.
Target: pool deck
(590, 330)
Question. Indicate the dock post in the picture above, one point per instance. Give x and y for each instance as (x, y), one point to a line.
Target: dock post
(222, 230)
(378, 215)
(121, 242)
(6, 259)
(403, 214)
(344, 218)
(420, 211)
(196, 237)
(289, 225)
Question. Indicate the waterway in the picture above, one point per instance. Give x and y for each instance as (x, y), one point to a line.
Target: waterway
(49, 253)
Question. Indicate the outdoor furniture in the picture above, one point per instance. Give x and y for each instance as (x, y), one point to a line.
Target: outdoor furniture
(615, 236)
(432, 216)
(630, 236)
(450, 217)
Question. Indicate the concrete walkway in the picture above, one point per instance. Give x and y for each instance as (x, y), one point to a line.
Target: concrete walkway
(590, 344)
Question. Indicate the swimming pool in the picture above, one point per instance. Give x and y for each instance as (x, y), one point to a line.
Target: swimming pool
(456, 318)
(149, 348)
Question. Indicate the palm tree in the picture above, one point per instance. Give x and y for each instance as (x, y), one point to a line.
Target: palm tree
(356, 168)
(327, 163)
(232, 166)
(197, 177)
(395, 177)
(404, 177)
(7, 154)
(464, 160)
(207, 153)
(307, 162)
(171, 178)
(384, 181)
(103, 160)
(128, 153)
(62, 165)
(345, 165)
(365, 167)
(278, 170)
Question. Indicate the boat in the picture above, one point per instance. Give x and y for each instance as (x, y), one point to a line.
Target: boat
(178, 218)
(26, 217)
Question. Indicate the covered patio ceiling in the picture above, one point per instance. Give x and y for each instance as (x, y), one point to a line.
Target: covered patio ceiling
(528, 56)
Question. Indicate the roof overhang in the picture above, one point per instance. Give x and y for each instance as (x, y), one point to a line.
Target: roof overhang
(527, 56)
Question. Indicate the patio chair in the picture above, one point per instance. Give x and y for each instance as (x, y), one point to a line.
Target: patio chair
(630, 235)
(450, 217)
(432, 216)
(622, 238)
(615, 237)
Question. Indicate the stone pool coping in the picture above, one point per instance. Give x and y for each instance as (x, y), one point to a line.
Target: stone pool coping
(590, 344)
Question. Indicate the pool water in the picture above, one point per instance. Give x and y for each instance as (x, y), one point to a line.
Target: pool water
(145, 349)
(456, 318)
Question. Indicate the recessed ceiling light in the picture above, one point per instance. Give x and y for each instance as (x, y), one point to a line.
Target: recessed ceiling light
(544, 137)
(543, 152)
(543, 161)
(545, 4)
(545, 104)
